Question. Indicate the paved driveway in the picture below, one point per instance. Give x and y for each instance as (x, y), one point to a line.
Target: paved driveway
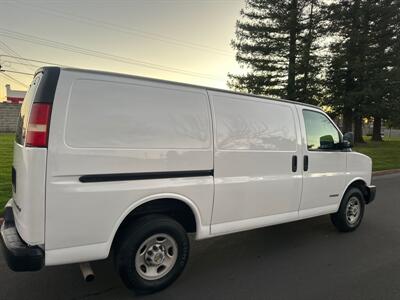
(302, 260)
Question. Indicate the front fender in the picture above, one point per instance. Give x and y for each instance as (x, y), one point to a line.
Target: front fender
(359, 167)
(369, 191)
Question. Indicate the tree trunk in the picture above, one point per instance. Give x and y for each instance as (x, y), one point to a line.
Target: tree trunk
(349, 79)
(376, 132)
(358, 134)
(291, 87)
(347, 120)
(307, 50)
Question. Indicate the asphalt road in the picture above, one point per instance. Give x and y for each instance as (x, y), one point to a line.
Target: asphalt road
(302, 260)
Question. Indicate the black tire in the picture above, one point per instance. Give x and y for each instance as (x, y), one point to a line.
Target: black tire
(133, 237)
(342, 219)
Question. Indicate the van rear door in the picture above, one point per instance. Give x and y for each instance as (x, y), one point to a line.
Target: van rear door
(30, 155)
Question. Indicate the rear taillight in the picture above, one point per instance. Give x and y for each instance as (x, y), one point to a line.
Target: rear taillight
(38, 127)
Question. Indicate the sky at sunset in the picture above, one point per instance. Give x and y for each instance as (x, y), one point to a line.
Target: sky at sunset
(179, 40)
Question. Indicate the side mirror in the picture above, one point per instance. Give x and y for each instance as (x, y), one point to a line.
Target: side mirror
(346, 145)
(348, 139)
(326, 142)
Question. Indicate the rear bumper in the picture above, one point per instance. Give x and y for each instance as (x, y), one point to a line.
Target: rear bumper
(371, 193)
(20, 257)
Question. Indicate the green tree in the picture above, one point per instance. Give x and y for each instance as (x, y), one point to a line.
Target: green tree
(363, 60)
(310, 61)
(347, 59)
(276, 44)
(383, 77)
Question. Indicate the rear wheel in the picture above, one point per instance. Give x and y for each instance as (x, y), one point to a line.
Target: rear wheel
(152, 253)
(351, 211)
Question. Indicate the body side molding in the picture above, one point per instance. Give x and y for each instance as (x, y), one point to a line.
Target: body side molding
(143, 176)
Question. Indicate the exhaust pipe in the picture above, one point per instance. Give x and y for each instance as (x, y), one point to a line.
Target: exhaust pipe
(87, 272)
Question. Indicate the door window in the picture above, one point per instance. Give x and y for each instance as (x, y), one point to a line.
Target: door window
(321, 133)
(250, 125)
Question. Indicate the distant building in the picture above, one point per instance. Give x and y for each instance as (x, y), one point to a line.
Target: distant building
(14, 96)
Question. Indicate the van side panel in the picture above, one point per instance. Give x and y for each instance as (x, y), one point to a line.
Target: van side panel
(110, 125)
(256, 142)
(108, 114)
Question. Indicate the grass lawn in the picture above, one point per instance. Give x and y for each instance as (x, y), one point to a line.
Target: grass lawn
(6, 156)
(384, 155)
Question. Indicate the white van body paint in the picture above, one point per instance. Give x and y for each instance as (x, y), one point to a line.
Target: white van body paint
(105, 124)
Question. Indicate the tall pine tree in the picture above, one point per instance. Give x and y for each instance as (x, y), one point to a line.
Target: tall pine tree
(347, 56)
(276, 43)
(383, 80)
(310, 61)
(362, 61)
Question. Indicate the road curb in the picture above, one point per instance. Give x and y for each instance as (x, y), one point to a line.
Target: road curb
(385, 172)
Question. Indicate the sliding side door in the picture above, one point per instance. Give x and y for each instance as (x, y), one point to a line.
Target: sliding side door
(257, 149)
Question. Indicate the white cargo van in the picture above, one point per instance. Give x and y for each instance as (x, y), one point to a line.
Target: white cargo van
(107, 162)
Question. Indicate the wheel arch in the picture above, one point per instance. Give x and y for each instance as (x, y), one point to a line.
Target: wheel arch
(359, 183)
(199, 229)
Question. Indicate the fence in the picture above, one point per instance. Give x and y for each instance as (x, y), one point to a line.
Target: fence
(9, 116)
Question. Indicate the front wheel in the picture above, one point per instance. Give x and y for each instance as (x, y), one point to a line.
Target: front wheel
(351, 211)
(152, 253)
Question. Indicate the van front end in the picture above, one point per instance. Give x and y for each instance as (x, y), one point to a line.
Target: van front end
(20, 256)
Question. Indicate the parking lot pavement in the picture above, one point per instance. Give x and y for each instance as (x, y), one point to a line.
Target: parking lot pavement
(301, 260)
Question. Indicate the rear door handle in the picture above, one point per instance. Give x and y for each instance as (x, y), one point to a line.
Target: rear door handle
(305, 163)
(294, 163)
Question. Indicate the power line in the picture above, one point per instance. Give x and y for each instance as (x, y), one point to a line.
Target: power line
(9, 62)
(129, 30)
(17, 72)
(8, 50)
(94, 53)
(58, 45)
(13, 79)
(33, 60)
(5, 49)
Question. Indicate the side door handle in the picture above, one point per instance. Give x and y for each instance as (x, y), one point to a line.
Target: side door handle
(294, 163)
(305, 163)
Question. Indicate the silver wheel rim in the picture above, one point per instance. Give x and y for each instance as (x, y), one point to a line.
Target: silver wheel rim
(353, 210)
(156, 256)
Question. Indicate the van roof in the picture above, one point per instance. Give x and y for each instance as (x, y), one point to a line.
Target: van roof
(48, 68)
